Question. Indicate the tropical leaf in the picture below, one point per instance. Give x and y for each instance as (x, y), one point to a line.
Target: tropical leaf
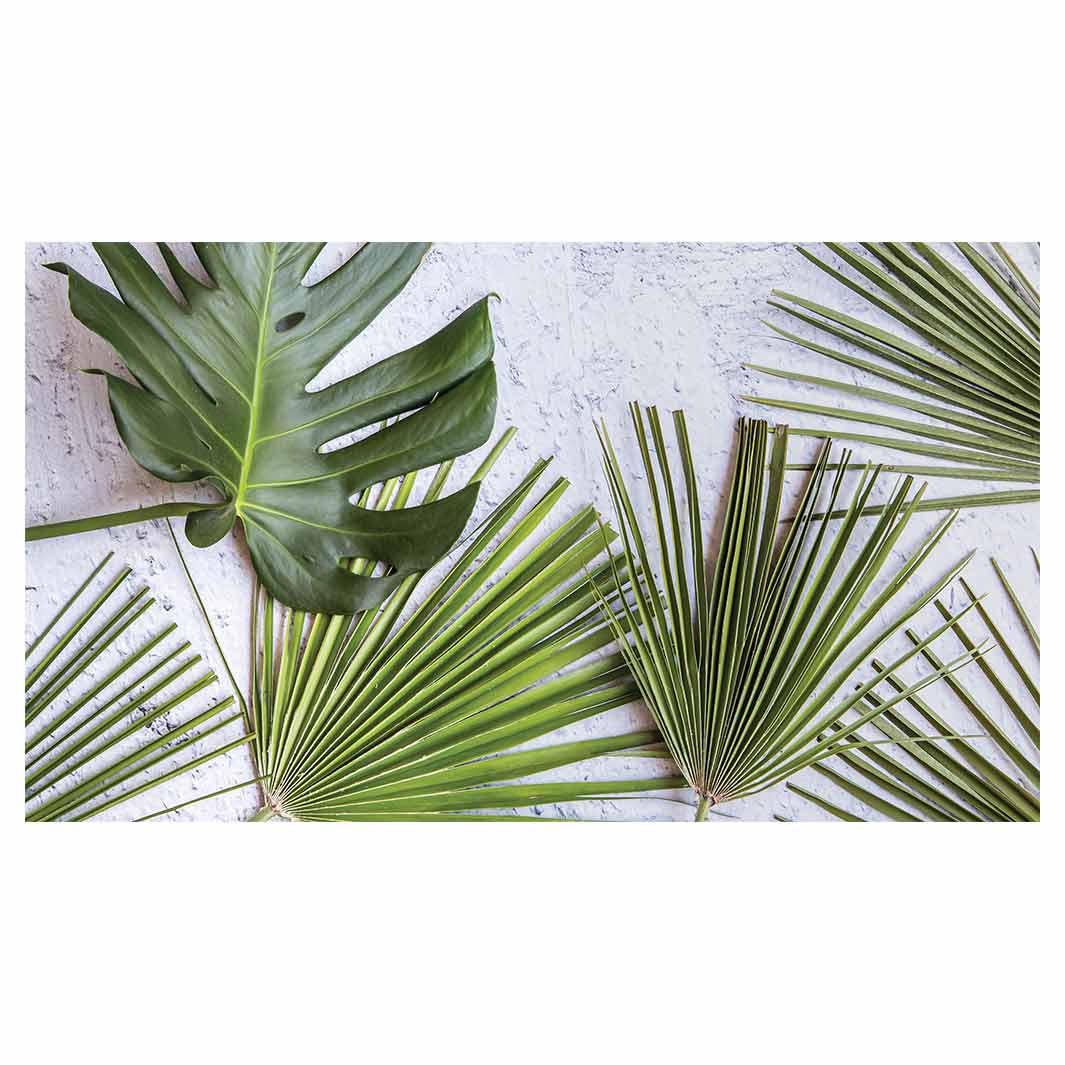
(93, 744)
(434, 706)
(224, 397)
(968, 363)
(932, 775)
(739, 670)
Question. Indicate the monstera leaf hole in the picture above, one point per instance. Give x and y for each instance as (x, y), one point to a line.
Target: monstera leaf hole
(290, 321)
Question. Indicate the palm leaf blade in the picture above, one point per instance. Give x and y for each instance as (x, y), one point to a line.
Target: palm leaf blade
(443, 701)
(978, 358)
(94, 749)
(742, 699)
(947, 773)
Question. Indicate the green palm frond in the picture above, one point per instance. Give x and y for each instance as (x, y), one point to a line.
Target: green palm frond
(968, 364)
(940, 779)
(373, 717)
(739, 670)
(93, 744)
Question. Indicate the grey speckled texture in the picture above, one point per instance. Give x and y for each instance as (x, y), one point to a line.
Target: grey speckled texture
(581, 329)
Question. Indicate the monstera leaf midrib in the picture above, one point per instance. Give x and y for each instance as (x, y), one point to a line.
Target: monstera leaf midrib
(253, 404)
(235, 360)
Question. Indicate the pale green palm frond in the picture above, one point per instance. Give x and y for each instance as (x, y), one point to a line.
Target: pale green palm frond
(992, 778)
(739, 670)
(436, 709)
(93, 744)
(968, 364)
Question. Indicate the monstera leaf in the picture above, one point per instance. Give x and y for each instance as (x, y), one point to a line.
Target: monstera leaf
(224, 398)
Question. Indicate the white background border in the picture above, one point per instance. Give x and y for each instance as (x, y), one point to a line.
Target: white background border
(618, 943)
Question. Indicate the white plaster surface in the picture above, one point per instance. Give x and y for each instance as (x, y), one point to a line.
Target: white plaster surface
(581, 330)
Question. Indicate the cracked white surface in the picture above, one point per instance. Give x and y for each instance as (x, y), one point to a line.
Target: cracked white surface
(581, 330)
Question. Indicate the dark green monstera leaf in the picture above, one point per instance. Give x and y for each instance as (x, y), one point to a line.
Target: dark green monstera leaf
(224, 398)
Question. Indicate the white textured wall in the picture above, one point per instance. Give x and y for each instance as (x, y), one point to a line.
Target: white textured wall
(582, 329)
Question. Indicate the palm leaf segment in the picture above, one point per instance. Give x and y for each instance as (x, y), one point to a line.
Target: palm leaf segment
(934, 778)
(739, 670)
(93, 744)
(224, 397)
(373, 717)
(969, 364)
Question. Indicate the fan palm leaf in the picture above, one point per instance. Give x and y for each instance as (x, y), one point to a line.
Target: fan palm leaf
(93, 744)
(968, 364)
(739, 670)
(940, 777)
(378, 716)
